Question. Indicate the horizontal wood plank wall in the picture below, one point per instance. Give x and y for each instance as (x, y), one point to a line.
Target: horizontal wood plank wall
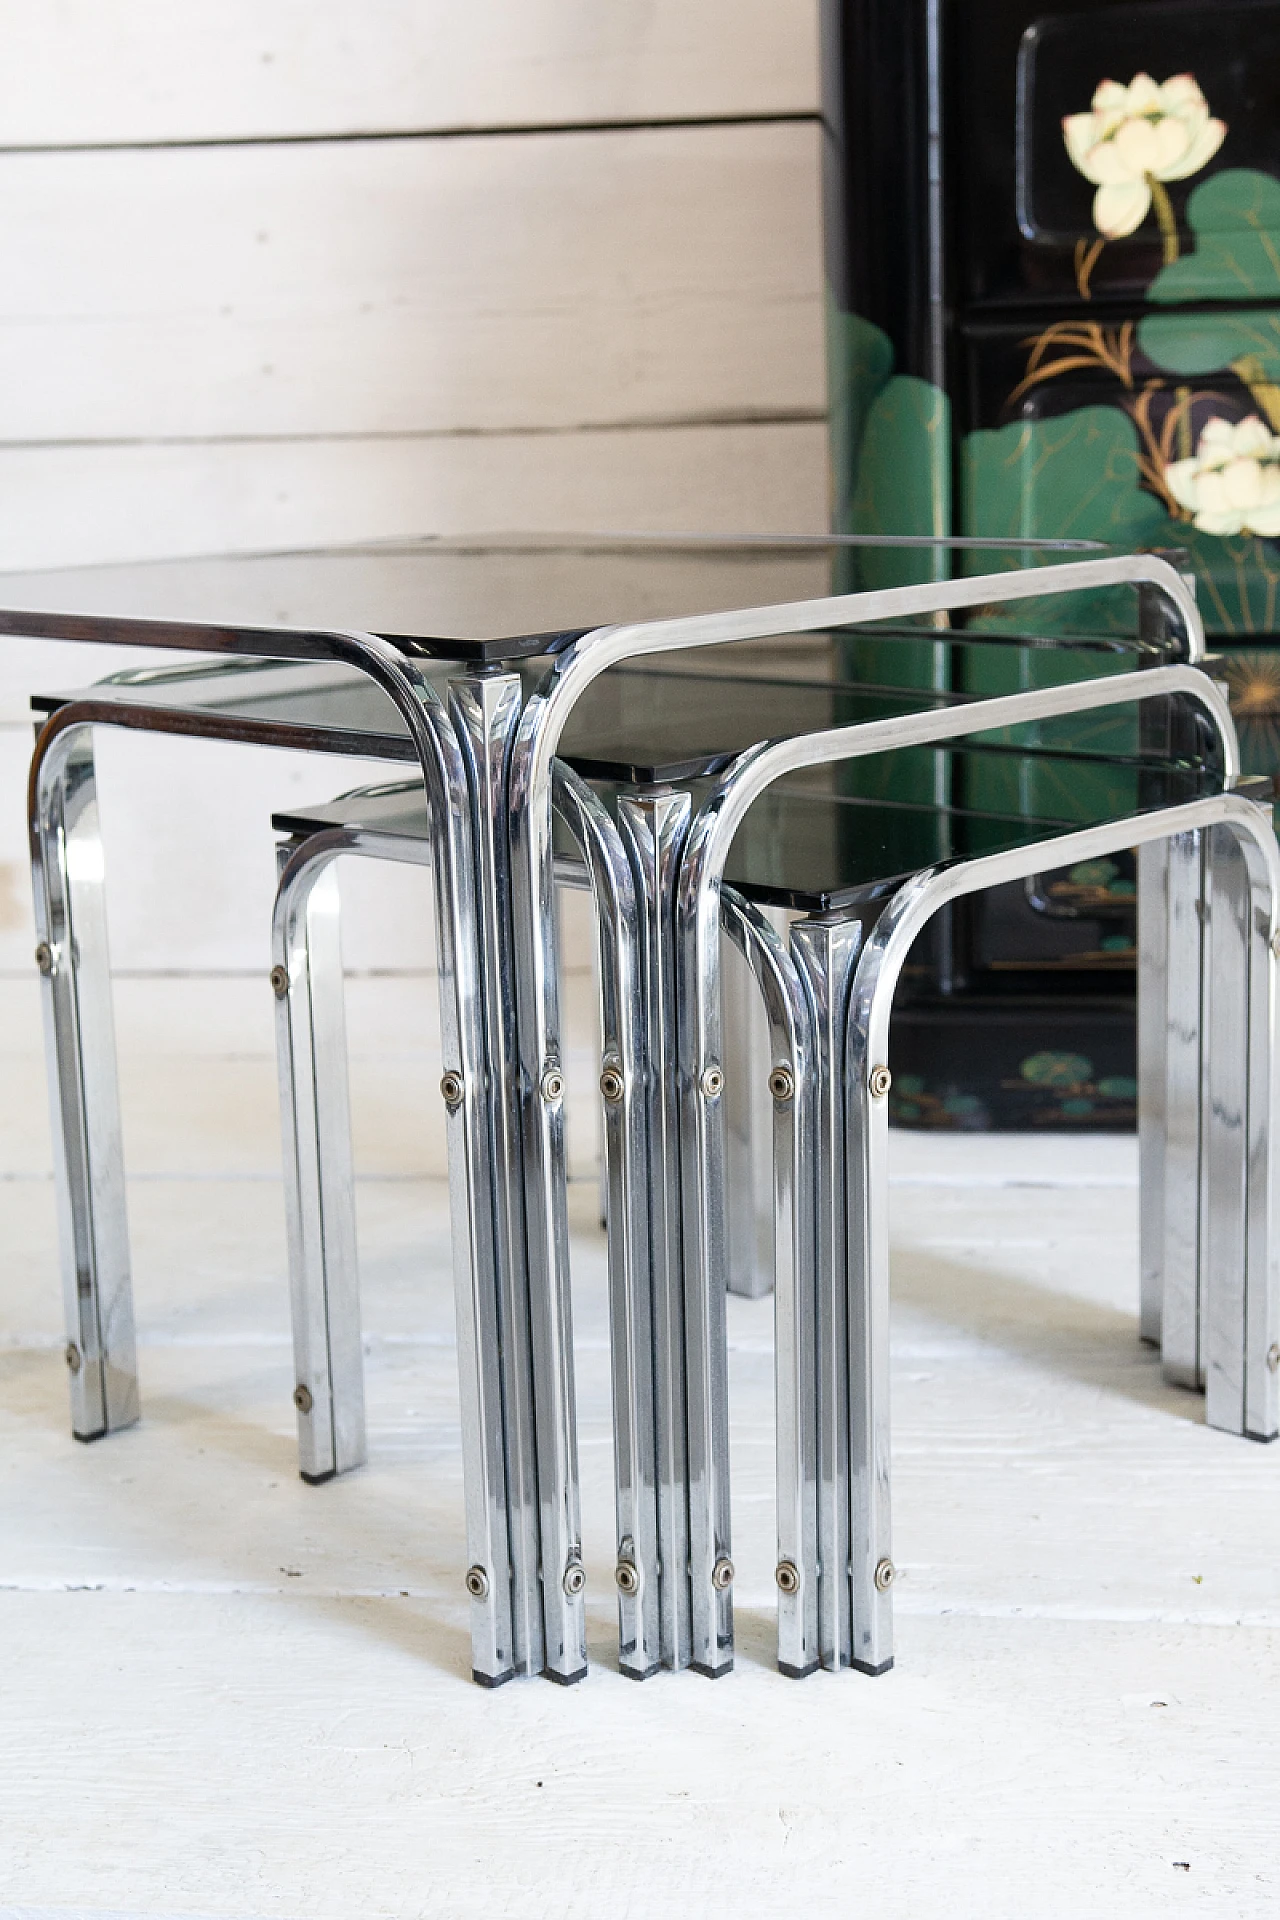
(287, 272)
(105, 71)
(62, 506)
(411, 286)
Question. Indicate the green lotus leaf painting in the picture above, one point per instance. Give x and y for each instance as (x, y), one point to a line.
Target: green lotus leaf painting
(1235, 217)
(1200, 343)
(903, 478)
(1079, 475)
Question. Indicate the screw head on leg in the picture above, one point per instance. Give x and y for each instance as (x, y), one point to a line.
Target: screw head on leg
(722, 1574)
(1273, 1358)
(787, 1575)
(452, 1090)
(73, 1357)
(551, 1086)
(713, 1083)
(477, 1583)
(612, 1085)
(782, 1084)
(302, 1399)
(44, 958)
(886, 1573)
(575, 1579)
(627, 1578)
(279, 978)
(879, 1082)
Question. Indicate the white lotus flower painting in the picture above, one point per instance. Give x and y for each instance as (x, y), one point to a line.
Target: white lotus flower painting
(1135, 138)
(1231, 484)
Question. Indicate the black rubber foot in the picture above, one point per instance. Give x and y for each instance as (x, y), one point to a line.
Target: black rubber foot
(1263, 1439)
(493, 1679)
(864, 1666)
(565, 1679)
(629, 1673)
(710, 1673)
(318, 1479)
(87, 1439)
(798, 1673)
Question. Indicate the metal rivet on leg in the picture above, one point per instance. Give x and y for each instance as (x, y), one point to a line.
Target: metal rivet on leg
(551, 1086)
(879, 1082)
(713, 1083)
(886, 1573)
(722, 1574)
(612, 1085)
(575, 1579)
(782, 1083)
(1273, 1358)
(787, 1575)
(279, 978)
(44, 957)
(302, 1399)
(452, 1089)
(627, 1577)
(72, 1355)
(477, 1583)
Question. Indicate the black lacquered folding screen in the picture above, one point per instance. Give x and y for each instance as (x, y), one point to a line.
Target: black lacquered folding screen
(1054, 281)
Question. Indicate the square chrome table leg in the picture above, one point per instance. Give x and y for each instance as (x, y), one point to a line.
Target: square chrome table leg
(748, 1115)
(792, 1089)
(319, 1178)
(1172, 1214)
(827, 950)
(71, 929)
(536, 1345)
(653, 827)
(624, 1088)
(1154, 1045)
(1238, 1304)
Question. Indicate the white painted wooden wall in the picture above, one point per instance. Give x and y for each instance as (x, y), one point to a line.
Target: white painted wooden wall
(289, 271)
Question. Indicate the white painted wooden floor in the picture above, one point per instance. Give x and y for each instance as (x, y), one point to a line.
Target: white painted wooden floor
(228, 1694)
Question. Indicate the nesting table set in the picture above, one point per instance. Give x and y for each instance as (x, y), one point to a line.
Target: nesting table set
(682, 772)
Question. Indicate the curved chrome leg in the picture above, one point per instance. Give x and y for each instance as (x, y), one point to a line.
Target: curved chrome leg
(870, 1560)
(749, 1142)
(93, 1232)
(1239, 1069)
(542, 1477)
(1153, 1067)
(1178, 1190)
(827, 951)
(792, 1087)
(319, 1177)
(624, 1085)
(653, 826)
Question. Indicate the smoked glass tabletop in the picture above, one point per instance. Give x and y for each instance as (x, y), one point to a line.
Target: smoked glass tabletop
(680, 718)
(808, 845)
(674, 721)
(489, 597)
